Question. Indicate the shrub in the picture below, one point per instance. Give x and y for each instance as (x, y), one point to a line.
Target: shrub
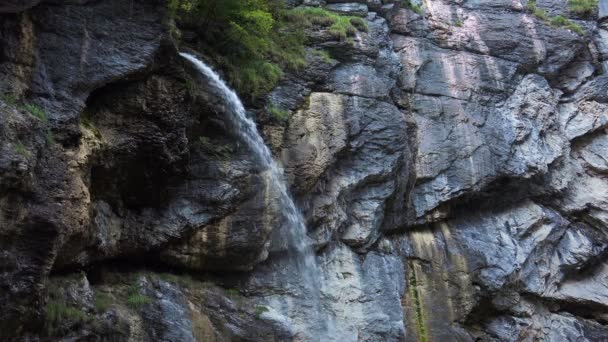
(249, 39)
(583, 7)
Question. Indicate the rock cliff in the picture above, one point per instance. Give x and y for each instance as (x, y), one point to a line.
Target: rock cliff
(450, 161)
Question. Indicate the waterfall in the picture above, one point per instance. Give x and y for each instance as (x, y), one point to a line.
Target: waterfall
(299, 244)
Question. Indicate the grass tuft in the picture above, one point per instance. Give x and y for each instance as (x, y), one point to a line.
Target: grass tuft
(278, 113)
(583, 7)
(414, 7)
(135, 299)
(58, 312)
(324, 55)
(557, 21)
(9, 99)
(20, 149)
(36, 111)
(103, 301)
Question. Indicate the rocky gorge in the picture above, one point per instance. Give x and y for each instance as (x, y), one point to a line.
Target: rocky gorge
(450, 162)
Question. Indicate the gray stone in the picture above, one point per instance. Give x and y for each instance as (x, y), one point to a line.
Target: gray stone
(350, 8)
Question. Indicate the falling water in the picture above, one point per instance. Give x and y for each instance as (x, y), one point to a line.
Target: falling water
(298, 241)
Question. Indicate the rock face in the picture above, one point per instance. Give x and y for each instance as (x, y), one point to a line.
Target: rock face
(450, 162)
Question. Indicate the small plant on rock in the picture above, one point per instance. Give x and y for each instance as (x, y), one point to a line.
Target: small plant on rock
(9, 99)
(36, 111)
(260, 310)
(414, 7)
(20, 149)
(278, 113)
(583, 7)
(102, 302)
(323, 54)
(135, 299)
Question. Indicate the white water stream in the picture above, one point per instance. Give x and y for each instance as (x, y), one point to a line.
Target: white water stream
(298, 242)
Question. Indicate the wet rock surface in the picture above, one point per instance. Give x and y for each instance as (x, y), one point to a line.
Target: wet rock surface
(451, 164)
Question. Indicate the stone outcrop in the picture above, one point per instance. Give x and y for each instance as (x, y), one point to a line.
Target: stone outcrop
(450, 162)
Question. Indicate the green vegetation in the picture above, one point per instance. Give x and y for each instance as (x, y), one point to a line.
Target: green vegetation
(36, 111)
(458, 23)
(135, 299)
(49, 137)
(583, 7)
(102, 301)
(9, 99)
(58, 313)
(232, 292)
(575, 28)
(260, 309)
(537, 12)
(255, 41)
(189, 84)
(413, 7)
(557, 21)
(339, 26)
(20, 149)
(249, 39)
(278, 113)
(415, 296)
(219, 151)
(323, 54)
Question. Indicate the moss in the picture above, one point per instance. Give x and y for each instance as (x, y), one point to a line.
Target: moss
(415, 296)
(278, 113)
(260, 310)
(583, 7)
